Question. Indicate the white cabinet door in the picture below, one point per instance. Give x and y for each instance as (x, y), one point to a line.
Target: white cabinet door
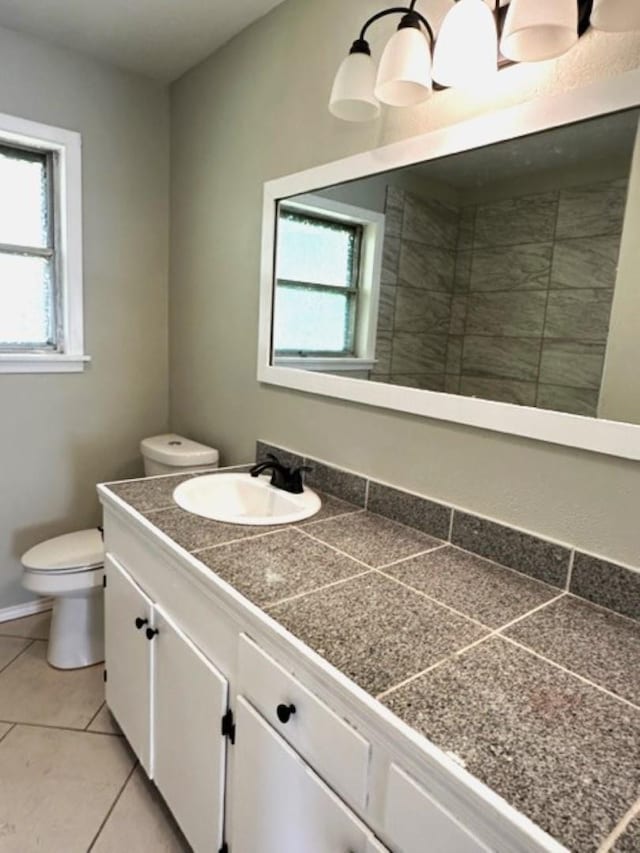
(190, 699)
(279, 804)
(416, 823)
(128, 613)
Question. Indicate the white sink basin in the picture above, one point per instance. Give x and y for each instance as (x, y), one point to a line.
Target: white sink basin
(242, 499)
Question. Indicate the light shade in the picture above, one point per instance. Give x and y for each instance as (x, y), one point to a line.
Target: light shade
(538, 30)
(467, 47)
(404, 74)
(616, 16)
(352, 97)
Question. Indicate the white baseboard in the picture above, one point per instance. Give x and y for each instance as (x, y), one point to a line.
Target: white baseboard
(26, 609)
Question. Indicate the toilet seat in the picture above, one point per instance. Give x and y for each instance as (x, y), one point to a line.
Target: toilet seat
(70, 569)
(71, 553)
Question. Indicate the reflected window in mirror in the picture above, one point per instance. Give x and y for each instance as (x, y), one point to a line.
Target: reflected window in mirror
(317, 285)
(500, 270)
(327, 284)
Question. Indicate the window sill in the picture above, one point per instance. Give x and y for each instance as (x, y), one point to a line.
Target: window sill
(335, 365)
(42, 363)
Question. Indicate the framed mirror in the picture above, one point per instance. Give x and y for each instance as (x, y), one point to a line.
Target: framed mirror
(487, 273)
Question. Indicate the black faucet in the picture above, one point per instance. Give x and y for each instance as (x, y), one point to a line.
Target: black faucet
(282, 477)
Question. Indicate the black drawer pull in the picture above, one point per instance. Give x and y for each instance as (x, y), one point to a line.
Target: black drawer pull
(285, 712)
(140, 622)
(151, 632)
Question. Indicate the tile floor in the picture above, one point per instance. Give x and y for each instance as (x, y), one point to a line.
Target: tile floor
(68, 781)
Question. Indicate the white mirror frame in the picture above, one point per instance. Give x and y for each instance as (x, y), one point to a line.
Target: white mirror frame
(601, 436)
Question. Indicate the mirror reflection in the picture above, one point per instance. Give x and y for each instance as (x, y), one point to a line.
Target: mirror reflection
(495, 273)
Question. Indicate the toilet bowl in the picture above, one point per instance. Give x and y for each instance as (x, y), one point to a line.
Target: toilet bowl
(69, 569)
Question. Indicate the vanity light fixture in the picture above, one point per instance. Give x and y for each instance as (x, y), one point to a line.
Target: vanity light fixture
(475, 39)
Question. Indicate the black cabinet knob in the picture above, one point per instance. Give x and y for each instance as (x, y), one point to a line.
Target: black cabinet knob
(151, 632)
(285, 712)
(140, 622)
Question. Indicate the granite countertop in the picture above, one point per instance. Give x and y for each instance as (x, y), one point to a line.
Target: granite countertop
(535, 691)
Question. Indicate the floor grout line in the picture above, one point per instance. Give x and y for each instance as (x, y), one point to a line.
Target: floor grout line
(10, 729)
(112, 807)
(572, 672)
(495, 632)
(620, 828)
(20, 653)
(59, 728)
(86, 728)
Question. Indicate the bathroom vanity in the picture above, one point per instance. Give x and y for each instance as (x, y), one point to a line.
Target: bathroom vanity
(255, 740)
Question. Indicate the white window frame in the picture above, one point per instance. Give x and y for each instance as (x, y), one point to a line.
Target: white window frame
(597, 435)
(370, 270)
(66, 147)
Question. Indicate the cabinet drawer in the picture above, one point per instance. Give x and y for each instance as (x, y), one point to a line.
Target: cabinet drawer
(330, 745)
(412, 815)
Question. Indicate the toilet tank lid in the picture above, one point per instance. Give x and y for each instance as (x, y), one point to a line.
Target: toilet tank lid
(82, 549)
(176, 450)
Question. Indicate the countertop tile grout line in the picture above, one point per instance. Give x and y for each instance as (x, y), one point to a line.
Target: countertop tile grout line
(620, 828)
(616, 613)
(408, 526)
(433, 666)
(508, 568)
(249, 538)
(322, 588)
(435, 601)
(333, 548)
(492, 633)
(451, 521)
(310, 523)
(112, 807)
(571, 672)
(413, 556)
(20, 653)
(282, 528)
(572, 558)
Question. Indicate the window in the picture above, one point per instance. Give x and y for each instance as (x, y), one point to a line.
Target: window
(27, 252)
(327, 281)
(317, 285)
(40, 248)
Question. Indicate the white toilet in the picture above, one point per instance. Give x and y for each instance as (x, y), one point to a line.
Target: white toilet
(69, 568)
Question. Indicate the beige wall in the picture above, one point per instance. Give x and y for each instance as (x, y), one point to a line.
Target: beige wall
(60, 434)
(257, 110)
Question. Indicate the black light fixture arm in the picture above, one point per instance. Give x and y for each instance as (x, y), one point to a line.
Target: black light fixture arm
(413, 18)
(410, 18)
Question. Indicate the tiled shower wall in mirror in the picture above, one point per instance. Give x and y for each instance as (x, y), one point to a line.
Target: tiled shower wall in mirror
(508, 300)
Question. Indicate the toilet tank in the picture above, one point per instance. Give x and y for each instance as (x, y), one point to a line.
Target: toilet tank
(175, 454)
